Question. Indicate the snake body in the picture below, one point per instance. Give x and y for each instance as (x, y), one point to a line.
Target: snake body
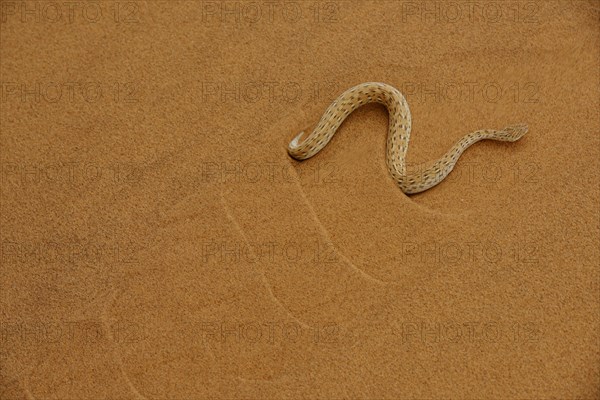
(431, 173)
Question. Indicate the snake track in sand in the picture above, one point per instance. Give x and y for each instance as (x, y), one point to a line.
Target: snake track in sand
(431, 173)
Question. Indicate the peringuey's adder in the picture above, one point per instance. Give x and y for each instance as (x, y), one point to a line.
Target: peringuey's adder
(426, 177)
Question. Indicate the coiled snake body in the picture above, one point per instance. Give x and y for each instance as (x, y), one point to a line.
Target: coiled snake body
(426, 177)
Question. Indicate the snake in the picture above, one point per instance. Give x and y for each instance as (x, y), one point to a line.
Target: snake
(430, 173)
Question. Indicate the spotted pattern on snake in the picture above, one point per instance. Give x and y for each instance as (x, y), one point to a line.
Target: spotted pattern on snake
(429, 174)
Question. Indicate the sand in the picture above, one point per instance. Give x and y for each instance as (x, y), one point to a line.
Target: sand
(159, 243)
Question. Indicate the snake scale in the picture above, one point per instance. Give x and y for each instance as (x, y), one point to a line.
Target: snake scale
(426, 177)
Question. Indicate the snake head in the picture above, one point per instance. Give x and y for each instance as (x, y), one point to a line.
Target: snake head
(516, 132)
(294, 143)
